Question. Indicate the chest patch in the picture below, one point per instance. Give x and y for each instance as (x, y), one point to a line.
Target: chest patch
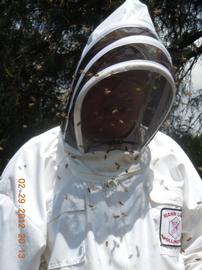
(170, 227)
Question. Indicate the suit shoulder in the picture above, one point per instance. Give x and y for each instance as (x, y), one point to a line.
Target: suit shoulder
(42, 141)
(42, 145)
(165, 142)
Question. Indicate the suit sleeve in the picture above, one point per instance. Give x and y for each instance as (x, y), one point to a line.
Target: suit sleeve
(22, 211)
(192, 216)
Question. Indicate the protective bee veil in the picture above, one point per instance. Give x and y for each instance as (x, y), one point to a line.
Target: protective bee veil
(123, 87)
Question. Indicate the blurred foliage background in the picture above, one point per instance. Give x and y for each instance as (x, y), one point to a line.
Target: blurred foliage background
(40, 45)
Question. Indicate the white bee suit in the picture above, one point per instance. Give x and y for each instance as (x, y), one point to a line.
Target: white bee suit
(89, 211)
(138, 206)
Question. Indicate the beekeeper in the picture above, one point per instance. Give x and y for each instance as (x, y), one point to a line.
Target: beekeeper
(107, 191)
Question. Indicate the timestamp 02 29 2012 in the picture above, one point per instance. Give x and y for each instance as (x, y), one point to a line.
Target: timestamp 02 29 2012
(21, 218)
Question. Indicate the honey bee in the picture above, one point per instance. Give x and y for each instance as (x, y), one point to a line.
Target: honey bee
(107, 91)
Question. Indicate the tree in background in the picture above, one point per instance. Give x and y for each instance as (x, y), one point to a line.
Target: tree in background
(179, 24)
(40, 45)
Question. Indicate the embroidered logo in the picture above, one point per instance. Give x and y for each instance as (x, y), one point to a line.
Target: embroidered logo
(171, 227)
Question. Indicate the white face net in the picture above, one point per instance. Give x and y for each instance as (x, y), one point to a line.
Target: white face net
(123, 111)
